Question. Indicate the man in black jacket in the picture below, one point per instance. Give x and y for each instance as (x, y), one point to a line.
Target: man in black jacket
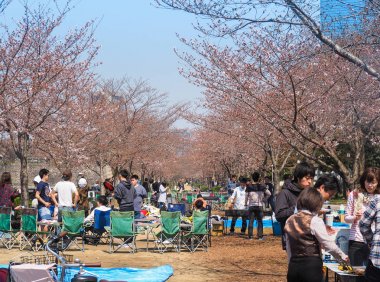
(125, 193)
(287, 199)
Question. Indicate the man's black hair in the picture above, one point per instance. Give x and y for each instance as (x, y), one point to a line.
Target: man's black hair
(124, 173)
(135, 177)
(102, 200)
(330, 183)
(243, 180)
(303, 169)
(43, 172)
(255, 176)
(199, 204)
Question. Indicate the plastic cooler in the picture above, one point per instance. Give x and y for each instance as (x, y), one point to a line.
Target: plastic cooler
(276, 228)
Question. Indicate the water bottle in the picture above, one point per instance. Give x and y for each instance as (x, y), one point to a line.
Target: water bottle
(341, 213)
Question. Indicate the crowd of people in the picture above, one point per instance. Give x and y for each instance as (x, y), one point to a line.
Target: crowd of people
(128, 195)
(297, 207)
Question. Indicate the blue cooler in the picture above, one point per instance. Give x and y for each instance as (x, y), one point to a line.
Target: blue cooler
(276, 228)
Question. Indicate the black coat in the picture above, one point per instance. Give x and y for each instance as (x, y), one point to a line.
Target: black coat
(286, 201)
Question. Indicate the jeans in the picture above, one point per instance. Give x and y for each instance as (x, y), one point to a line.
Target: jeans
(372, 273)
(244, 223)
(270, 203)
(52, 208)
(257, 213)
(44, 213)
(283, 238)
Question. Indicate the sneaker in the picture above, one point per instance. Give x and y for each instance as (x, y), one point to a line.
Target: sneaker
(250, 238)
(261, 238)
(231, 233)
(242, 233)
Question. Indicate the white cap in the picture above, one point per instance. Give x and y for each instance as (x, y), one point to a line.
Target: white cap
(37, 179)
(82, 182)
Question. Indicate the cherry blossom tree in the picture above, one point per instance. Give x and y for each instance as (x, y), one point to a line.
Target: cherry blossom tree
(67, 135)
(39, 73)
(133, 127)
(314, 102)
(242, 143)
(221, 18)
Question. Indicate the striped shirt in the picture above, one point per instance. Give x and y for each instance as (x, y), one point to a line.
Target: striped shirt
(351, 210)
(372, 215)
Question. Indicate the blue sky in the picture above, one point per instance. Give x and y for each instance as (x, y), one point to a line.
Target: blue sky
(137, 40)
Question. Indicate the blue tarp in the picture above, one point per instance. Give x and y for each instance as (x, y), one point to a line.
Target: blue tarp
(268, 223)
(155, 274)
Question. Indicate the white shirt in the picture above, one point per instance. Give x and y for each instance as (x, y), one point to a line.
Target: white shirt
(162, 197)
(238, 196)
(92, 214)
(65, 190)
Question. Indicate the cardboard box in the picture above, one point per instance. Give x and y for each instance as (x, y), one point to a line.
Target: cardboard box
(217, 228)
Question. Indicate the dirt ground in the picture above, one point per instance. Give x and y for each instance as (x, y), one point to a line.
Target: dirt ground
(230, 258)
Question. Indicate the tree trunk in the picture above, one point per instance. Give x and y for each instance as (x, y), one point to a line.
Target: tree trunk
(351, 177)
(24, 181)
(276, 180)
(102, 188)
(22, 154)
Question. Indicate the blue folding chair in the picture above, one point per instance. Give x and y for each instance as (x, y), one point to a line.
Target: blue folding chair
(177, 207)
(101, 219)
(97, 232)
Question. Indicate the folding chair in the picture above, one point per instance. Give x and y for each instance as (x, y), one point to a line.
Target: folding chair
(73, 224)
(199, 235)
(96, 232)
(8, 236)
(177, 207)
(170, 234)
(122, 230)
(201, 230)
(30, 235)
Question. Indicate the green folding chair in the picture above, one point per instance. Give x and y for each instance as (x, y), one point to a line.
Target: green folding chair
(199, 235)
(189, 198)
(121, 232)
(201, 230)
(30, 235)
(73, 225)
(170, 234)
(8, 236)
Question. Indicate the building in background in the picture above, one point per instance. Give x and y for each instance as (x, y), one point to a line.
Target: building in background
(343, 17)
